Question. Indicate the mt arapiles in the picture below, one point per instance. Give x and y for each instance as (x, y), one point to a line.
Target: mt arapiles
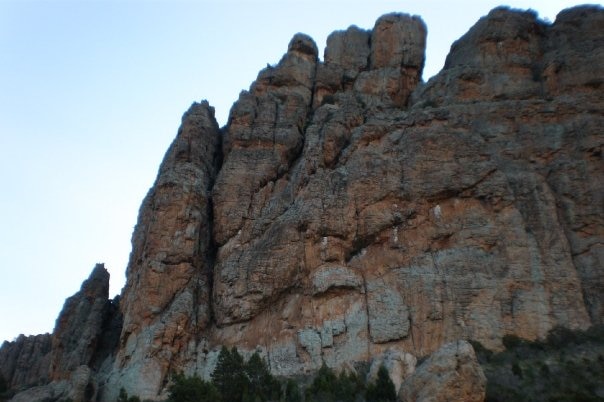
(350, 213)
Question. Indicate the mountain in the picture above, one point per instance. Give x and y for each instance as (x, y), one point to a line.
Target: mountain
(350, 213)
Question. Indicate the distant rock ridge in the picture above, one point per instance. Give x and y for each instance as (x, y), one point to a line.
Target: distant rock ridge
(349, 212)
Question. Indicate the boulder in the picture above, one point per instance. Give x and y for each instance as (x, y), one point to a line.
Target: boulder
(451, 374)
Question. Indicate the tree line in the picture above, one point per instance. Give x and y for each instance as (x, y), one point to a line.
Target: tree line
(237, 380)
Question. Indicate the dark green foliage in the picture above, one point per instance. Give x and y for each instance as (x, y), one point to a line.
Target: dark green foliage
(233, 380)
(3, 385)
(566, 366)
(123, 397)
(482, 354)
(348, 386)
(239, 381)
(292, 392)
(383, 389)
(262, 386)
(323, 386)
(328, 387)
(516, 370)
(191, 389)
(511, 341)
(229, 376)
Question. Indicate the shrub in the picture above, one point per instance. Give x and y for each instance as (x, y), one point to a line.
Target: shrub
(123, 397)
(512, 341)
(383, 389)
(560, 336)
(191, 389)
(3, 384)
(482, 354)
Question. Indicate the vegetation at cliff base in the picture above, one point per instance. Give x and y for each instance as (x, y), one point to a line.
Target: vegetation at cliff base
(329, 387)
(237, 380)
(192, 389)
(123, 397)
(383, 389)
(567, 366)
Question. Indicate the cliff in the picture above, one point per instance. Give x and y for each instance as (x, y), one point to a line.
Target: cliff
(349, 212)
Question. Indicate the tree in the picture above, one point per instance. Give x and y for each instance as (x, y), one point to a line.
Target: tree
(292, 391)
(123, 397)
(229, 376)
(3, 385)
(262, 385)
(382, 390)
(348, 386)
(192, 389)
(323, 386)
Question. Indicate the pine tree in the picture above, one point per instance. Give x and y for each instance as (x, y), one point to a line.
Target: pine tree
(262, 385)
(229, 376)
(292, 391)
(192, 389)
(383, 389)
(323, 386)
(348, 386)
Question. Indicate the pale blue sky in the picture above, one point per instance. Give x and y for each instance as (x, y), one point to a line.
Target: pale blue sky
(91, 95)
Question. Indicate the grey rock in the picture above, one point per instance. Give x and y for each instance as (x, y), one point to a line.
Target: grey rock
(388, 314)
(328, 277)
(450, 374)
(26, 360)
(78, 329)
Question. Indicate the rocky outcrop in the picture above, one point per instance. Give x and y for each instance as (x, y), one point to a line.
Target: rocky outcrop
(166, 302)
(25, 361)
(451, 374)
(78, 388)
(400, 366)
(64, 364)
(350, 213)
(78, 329)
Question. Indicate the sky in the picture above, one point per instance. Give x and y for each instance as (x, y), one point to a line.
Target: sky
(91, 96)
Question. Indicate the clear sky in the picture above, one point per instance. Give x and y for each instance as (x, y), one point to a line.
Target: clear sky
(91, 95)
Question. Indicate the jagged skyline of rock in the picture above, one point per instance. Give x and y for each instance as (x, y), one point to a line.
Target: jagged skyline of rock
(100, 128)
(349, 213)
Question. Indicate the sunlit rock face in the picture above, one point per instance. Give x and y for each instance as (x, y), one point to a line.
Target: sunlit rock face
(349, 212)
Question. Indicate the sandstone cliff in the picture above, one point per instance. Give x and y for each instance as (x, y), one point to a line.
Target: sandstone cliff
(349, 212)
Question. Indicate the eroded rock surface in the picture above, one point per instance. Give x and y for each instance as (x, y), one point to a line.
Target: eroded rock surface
(350, 213)
(25, 361)
(78, 329)
(166, 300)
(451, 374)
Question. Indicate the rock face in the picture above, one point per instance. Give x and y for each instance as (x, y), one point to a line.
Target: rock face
(61, 365)
(451, 374)
(350, 213)
(25, 361)
(78, 329)
(166, 301)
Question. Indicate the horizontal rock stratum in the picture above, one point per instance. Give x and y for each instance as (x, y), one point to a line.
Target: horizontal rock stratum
(349, 212)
